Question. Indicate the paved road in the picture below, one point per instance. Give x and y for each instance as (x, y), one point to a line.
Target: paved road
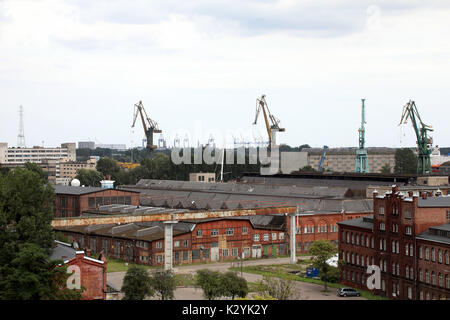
(304, 290)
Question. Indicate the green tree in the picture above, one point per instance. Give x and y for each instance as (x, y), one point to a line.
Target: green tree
(163, 282)
(307, 168)
(26, 240)
(211, 283)
(107, 166)
(322, 250)
(405, 161)
(35, 168)
(233, 285)
(386, 169)
(90, 178)
(137, 284)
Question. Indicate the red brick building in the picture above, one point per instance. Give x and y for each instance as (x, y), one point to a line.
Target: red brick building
(93, 276)
(392, 239)
(72, 201)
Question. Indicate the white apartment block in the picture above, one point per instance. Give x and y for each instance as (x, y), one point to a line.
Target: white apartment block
(18, 156)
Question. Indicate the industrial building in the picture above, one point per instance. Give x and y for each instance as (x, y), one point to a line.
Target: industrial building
(408, 238)
(72, 201)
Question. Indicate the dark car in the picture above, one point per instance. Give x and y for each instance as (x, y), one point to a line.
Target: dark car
(348, 292)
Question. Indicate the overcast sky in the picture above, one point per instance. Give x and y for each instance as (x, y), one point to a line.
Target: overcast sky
(79, 66)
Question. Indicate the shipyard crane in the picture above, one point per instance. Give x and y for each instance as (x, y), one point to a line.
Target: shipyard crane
(362, 159)
(322, 159)
(150, 129)
(424, 142)
(271, 129)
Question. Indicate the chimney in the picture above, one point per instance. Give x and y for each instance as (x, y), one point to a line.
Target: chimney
(394, 188)
(410, 193)
(375, 193)
(424, 195)
(88, 252)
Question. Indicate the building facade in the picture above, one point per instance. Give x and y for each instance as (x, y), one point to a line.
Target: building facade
(73, 201)
(13, 157)
(393, 239)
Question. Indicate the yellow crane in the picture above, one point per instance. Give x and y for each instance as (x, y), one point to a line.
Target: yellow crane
(261, 104)
(152, 125)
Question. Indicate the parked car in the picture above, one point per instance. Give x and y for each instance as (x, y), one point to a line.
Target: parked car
(348, 292)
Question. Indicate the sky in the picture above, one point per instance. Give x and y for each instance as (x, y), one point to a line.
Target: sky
(78, 67)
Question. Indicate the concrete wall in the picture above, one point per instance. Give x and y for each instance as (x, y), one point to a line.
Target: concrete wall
(346, 162)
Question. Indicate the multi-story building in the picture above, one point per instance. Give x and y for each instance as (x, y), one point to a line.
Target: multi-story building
(86, 145)
(13, 157)
(203, 177)
(68, 169)
(394, 239)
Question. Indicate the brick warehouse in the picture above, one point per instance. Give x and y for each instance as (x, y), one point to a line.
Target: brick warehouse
(395, 238)
(218, 239)
(73, 201)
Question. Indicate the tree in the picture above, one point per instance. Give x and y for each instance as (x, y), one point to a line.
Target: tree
(386, 169)
(233, 285)
(26, 240)
(163, 282)
(307, 168)
(405, 161)
(137, 284)
(35, 168)
(211, 283)
(89, 177)
(107, 166)
(323, 250)
(280, 289)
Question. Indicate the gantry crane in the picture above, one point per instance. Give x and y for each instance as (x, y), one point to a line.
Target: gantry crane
(424, 143)
(271, 129)
(152, 125)
(362, 160)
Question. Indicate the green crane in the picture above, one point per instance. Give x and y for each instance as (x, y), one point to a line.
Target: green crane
(424, 142)
(362, 159)
(148, 130)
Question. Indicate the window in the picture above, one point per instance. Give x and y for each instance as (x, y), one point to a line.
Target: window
(382, 226)
(357, 259)
(433, 255)
(230, 231)
(274, 236)
(367, 241)
(159, 258)
(381, 210)
(446, 257)
(348, 237)
(420, 275)
(409, 293)
(407, 249)
(433, 278)
(357, 239)
(199, 233)
(393, 267)
(266, 237)
(353, 238)
(176, 243)
(408, 230)
(234, 252)
(447, 215)
(411, 273)
(421, 295)
(427, 276)
(398, 269)
(281, 235)
(393, 246)
(224, 252)
(447, 282)
(394, 210)
(383, 285)
(411, 251)
(420, 252)
(185, 243)
(91, 202)
(407, 272)
(256, 237)
(407, 214)
(353, 258)
(214, 232)
(441, 280)
(427, 254)
(372, 245)
(439, 256)
(381, 245)
(158, 245)
(397, 246)
(244, 230)
(246, 252)
(196, 254)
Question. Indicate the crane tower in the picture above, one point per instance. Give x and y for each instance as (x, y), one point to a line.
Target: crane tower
(150, 129)
(362, 159)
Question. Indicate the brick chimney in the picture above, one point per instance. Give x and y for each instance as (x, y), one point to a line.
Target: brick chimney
(424, 195)
(394, 188)
(410, 193)
(88, 252)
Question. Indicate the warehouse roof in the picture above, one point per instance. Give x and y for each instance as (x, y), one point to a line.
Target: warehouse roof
(439, 234)
(72, 190)
(442, 201)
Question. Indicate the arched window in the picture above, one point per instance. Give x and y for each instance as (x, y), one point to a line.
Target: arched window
(441, 280)
(411, 251)
(440, 256)
(397, 245)
(420, 252)
(433, 278)
(446, 257)
(427, 253)
(420, 275)
(407, 272)
(427, 276)
(407, 249)
(357, 239)
(348, 237)
(433, 254)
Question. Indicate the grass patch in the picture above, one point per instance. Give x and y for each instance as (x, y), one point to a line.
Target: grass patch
(185, 280)
(115, 265)
(276, 272)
